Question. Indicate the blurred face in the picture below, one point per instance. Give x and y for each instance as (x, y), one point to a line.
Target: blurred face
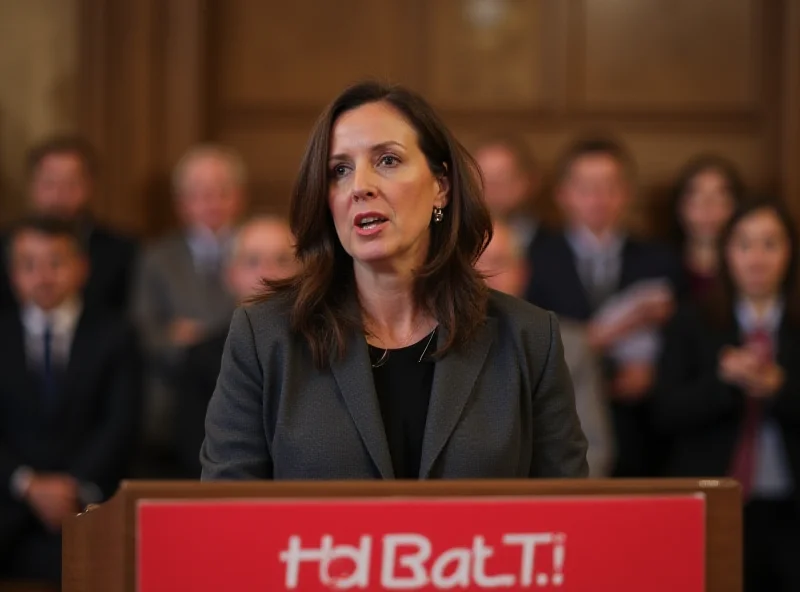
(209, 196)
(506, 186)
(382, 192)
(758, 254)
(594, 193)
(264, 250)
(503, 265)
(60, 186)
(706, 207)
(46, 270)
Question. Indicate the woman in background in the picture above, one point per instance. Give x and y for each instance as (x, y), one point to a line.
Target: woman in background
(708, 190)
(386, 356)
(728, 390)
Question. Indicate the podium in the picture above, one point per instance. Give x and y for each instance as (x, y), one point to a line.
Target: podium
(412, 535)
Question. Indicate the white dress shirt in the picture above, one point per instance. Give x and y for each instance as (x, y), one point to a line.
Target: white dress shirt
(62, 321)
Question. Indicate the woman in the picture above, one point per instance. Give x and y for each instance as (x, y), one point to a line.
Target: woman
(386, 356)
(708, 191)
(728, 391)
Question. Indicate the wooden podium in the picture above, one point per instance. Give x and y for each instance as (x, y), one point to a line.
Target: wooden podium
(101, 545)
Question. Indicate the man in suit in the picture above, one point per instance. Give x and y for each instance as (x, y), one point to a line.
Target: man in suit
(262, 249)
(61, 173)
(510, 180)
(180, 296)
(69, 398)
(578, 271)
(506, 269)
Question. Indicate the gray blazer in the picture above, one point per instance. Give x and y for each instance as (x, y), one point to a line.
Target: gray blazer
(169, 287)
(501, 407)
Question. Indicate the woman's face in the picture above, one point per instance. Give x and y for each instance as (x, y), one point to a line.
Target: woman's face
(758, 254)
(381, 191)
(706, 206)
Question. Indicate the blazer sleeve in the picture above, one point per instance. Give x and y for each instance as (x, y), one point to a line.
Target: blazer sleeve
(559, 444)
(688, 392)
(235, 445)
(105, 456)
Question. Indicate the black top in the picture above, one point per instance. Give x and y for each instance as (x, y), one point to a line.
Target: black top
(403, 385)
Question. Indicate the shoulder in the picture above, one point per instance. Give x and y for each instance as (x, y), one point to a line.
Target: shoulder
(653, 251)
(547, 242)
(164, 249)
(520, 317)
(266, 320)
(114, 327)
(105, 236)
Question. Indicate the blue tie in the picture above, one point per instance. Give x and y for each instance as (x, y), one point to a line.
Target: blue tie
(48, 371)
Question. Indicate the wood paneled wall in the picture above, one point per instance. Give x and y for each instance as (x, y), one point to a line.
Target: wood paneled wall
(671, 78)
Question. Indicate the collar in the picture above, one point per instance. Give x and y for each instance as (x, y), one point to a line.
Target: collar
(62, 319)
(587, 244)
(770, 321)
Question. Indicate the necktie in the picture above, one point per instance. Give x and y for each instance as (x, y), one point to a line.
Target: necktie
(48, 369)
(744, 458)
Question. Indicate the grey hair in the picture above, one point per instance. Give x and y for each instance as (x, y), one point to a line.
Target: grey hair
(228, 155)
(233, 246)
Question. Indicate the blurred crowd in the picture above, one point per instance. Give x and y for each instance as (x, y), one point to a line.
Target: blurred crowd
(684, 354)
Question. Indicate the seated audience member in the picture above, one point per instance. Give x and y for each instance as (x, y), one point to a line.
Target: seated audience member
(728, 390)
(69, 398)
(180, 296)
(61, 174)
(707, 192)
(262, 249)
(577, 273)
(510, 181)
(505, 268)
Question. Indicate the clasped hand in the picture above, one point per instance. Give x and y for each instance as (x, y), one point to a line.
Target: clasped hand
(744, 368)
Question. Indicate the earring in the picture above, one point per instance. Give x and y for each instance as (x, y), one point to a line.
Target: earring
(438, 215)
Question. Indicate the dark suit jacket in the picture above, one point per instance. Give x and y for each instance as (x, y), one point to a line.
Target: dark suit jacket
(556, 286)
(111, 257)
(703, 415)
(502, 406)
(91, 432)
(196, 380)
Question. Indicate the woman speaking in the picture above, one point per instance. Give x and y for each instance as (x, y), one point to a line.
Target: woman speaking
(386, 356)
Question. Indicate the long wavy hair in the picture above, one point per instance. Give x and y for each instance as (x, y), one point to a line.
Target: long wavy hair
(719, 306)
(323, 296)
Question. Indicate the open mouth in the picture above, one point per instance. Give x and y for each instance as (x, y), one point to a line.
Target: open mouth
(369, 222)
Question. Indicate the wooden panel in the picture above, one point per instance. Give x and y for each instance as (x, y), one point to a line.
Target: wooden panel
(272, 157)
(668, 54)
(488, 53)
(305, 51)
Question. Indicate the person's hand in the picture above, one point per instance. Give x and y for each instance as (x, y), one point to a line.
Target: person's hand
(746, 369)
(633, 381)
(184, 332)
(657, 311)
(52, 497)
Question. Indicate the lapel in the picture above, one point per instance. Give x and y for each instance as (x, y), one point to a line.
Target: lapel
(572, 279)
(20, 379)
(353, 374)
(81, 354)
(453, 382)
(189, 283)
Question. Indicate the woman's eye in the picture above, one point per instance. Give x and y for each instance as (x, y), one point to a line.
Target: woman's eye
(389, 160)
(339, 170)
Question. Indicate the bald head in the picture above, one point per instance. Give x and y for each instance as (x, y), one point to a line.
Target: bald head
(503, 262)
(263, 249)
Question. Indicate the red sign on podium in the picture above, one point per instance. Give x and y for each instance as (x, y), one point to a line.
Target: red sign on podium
(549, 544)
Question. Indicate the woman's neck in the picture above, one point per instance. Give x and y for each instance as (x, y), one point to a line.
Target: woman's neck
(701, 257)
(391, 315)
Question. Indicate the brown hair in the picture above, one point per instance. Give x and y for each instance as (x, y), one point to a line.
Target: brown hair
(719, 306)
(49, 226)
(63, 144)
(447, 286)
(701, 164)
(595, 145)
